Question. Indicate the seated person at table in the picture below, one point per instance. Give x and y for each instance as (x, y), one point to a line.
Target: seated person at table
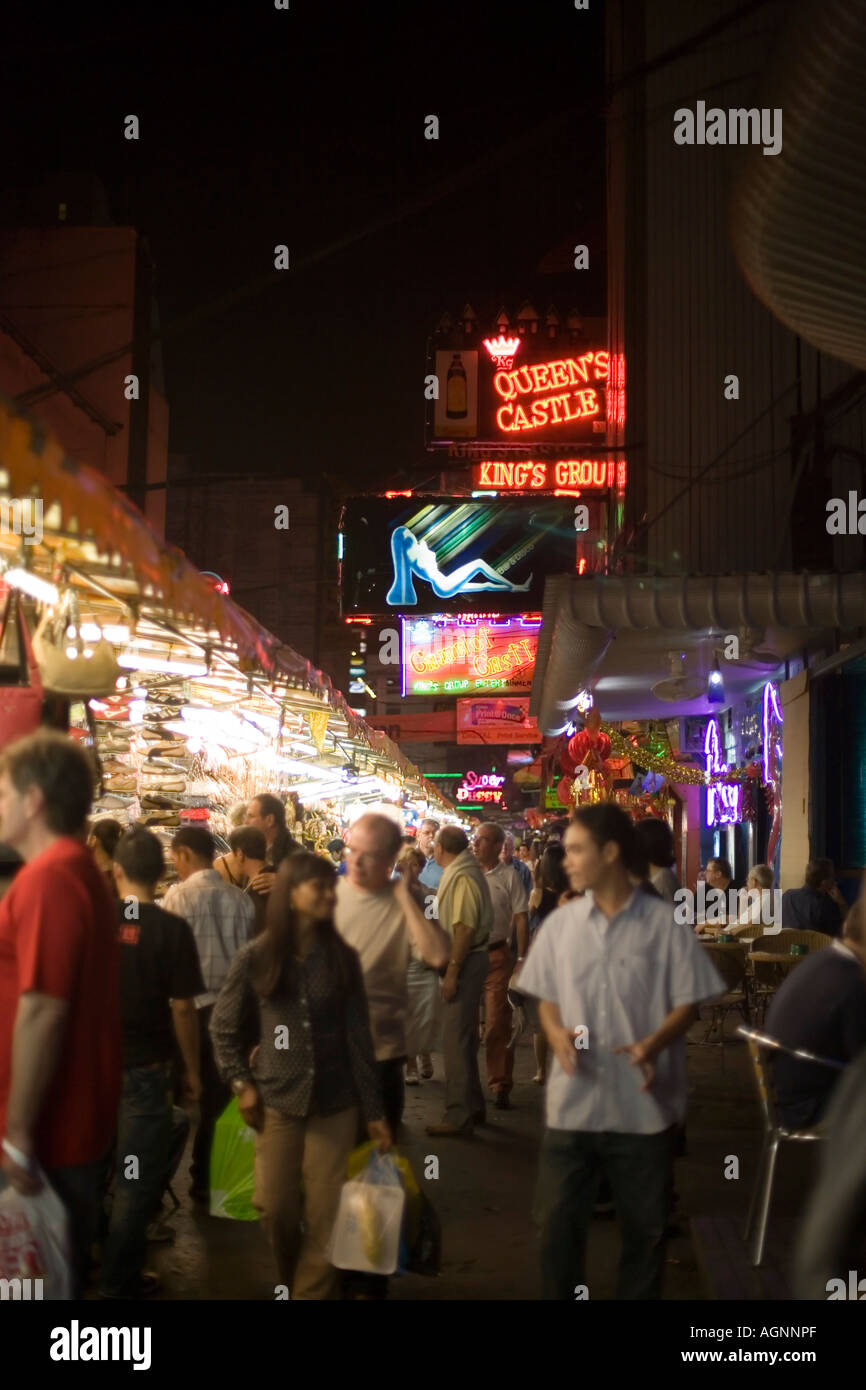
(818, 905)
(756, 909)
(822, 1008)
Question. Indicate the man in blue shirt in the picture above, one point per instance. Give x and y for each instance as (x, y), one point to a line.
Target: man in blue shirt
(524, 873)
(431, 874)
(620, 984)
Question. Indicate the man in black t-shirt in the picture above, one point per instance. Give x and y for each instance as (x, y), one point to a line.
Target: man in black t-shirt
(160, 977)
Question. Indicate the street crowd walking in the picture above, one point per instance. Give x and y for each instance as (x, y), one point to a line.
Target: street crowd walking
(313, 996)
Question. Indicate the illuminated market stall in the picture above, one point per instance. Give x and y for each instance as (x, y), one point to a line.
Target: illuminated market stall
(189, 705)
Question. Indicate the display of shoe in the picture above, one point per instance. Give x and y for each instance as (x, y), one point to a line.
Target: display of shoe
(426, 1066)
(411, 1077)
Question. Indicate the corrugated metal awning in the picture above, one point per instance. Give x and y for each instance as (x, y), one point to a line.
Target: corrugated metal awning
(798, 218)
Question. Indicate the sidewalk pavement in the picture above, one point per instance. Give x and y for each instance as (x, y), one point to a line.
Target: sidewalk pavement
(484, 1191)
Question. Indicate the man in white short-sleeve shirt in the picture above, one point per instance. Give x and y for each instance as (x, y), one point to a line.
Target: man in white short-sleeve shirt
(620, 984)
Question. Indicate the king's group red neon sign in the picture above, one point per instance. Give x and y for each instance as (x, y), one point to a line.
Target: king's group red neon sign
(541, 475)
(541, 378)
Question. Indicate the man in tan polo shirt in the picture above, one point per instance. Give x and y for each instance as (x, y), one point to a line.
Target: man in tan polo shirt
(378, 918)
(466, 913)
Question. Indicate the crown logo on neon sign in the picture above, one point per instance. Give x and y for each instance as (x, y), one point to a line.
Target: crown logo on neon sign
(502, 349)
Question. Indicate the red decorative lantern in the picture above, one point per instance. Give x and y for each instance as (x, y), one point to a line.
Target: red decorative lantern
(564, 791)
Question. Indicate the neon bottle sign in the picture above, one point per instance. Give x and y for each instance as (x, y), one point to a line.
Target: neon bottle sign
(487, 787)
(723, 798)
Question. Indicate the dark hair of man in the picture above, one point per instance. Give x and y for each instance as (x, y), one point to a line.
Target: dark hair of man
(270, 805)
(818, 871)
(107, 832)
(275, 964)
(249, 840)
(61, 770)
(452, 839)
(285, 842)
(608, 823)
(139, 854)
(657, 842)
(723, 866)
(197, 840)
(552, 871)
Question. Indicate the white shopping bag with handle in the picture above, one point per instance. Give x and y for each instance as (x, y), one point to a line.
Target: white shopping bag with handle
(34, 1244)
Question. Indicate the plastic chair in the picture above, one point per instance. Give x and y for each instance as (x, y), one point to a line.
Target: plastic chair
(761, 1048)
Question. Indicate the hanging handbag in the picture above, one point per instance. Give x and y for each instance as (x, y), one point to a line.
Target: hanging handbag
(21, 691)
(78, 676)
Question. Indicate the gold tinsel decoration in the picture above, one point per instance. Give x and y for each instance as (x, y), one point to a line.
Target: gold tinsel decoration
(674, 771)
(318, 722)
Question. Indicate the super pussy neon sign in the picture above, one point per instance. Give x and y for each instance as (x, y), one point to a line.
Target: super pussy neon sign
(548, 403)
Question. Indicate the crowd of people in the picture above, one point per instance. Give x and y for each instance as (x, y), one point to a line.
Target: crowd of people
(314, 988)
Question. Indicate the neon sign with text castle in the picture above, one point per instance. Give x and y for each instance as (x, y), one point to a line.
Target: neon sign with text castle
(534, 397)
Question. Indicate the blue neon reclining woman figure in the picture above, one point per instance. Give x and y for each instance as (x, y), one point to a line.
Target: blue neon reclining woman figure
(411, 556)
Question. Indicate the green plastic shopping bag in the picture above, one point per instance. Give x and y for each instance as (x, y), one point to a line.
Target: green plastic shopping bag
(231, 1167)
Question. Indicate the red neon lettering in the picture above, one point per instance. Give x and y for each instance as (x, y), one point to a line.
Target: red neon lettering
(558, 374)
(539, 376)
(502, 381)
(484, 478)
(602, 365)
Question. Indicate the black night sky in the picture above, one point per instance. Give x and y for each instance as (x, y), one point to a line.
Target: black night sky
(306, 127)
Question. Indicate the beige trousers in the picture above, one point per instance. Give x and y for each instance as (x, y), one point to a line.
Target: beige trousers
(315, 1152)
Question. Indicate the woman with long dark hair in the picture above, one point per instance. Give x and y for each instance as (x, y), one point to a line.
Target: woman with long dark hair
(296, 996)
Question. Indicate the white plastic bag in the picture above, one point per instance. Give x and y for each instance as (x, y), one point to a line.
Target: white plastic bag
(367, 1230)
(34, 1243)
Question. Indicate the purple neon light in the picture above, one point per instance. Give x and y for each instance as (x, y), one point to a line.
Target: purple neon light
(771, 697)
(727, 795)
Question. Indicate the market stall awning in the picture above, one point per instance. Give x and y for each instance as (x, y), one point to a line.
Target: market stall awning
(617, 634)
(95, 540)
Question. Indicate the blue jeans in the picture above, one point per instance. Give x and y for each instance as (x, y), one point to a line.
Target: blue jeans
(144, 1136)
(639, 1168)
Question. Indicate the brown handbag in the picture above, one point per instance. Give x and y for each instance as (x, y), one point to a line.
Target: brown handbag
(21, 692)
(78, 677)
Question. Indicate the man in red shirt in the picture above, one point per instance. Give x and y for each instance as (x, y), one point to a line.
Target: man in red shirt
(60, 1037)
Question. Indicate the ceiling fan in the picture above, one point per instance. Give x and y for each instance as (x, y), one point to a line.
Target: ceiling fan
(753, 651)
(679, 686)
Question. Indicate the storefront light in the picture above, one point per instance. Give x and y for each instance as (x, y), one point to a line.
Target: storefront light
(31, 584)
(135, 661)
